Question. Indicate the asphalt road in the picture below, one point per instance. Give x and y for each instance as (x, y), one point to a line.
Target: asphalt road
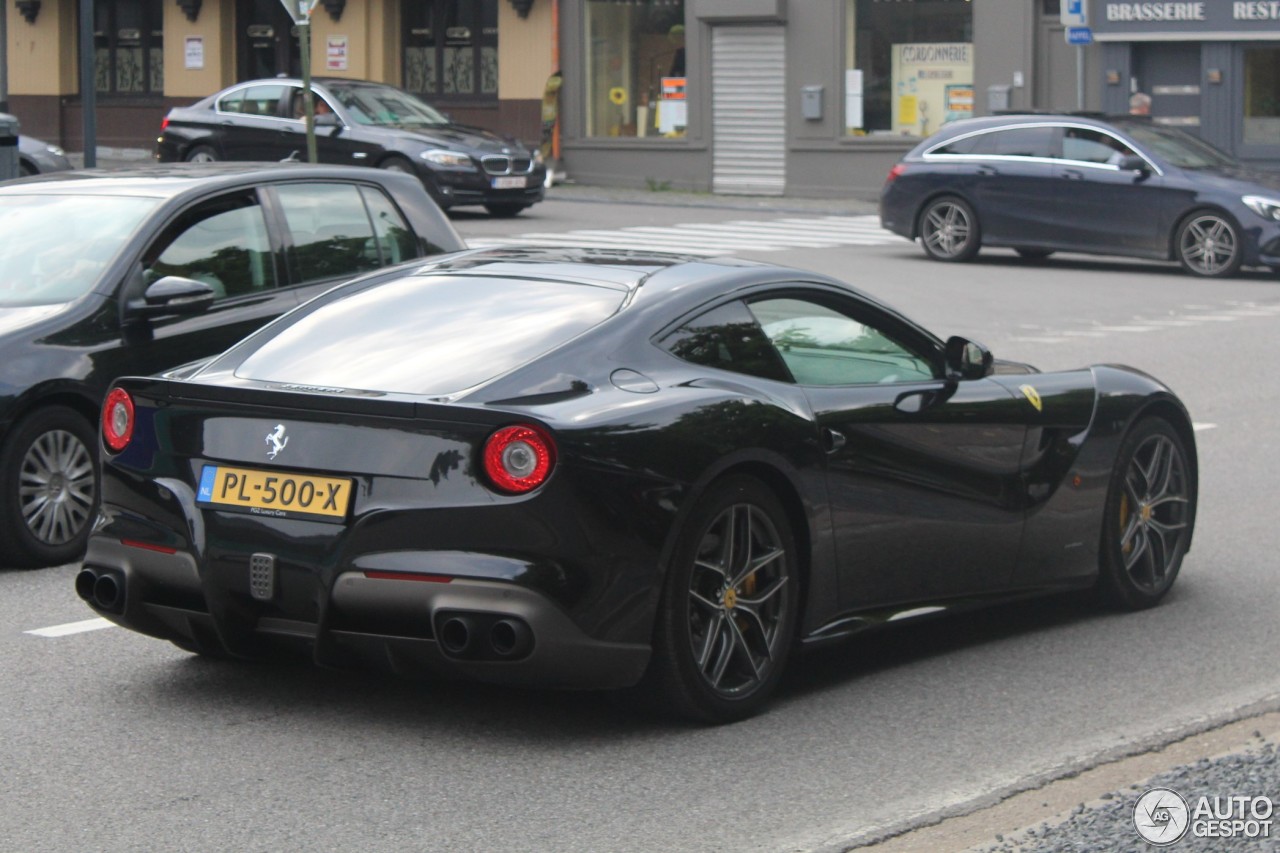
(113, 741)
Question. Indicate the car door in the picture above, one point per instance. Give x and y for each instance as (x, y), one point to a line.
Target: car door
(340, 143)
(226, 243)
(1009, 170)
(1101, 207)
(923, 473)
(250, 124)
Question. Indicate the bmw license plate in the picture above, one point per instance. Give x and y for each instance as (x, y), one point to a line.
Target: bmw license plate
(514, 183)
(277, 494)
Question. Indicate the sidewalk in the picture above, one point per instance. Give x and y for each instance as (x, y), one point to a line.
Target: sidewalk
(115, 158)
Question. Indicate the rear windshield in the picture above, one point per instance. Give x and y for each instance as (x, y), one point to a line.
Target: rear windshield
(434, 334)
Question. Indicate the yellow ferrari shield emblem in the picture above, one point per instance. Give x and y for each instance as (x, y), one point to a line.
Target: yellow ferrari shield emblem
(1033, 396)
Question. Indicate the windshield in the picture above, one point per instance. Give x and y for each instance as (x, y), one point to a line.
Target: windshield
(386, 106)
(1178, 147)
(56, 247)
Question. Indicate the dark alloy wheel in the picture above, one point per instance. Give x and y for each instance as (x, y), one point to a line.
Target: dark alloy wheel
(505, 211)
(202, 154)
(50, 489)
(1208, 245)
(1150, 512)
(949, 230)
(729, 606)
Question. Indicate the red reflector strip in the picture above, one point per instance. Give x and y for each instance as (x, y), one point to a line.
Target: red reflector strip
(147, 546)
(407, 576)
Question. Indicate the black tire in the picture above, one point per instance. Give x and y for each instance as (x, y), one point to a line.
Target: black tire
(1034, 255)
(723, 634)
(398, 164)
(1150, 513)
(1207, 244)
(26, 170)
(949, 230)
(203, 154)
(48, 488)
(505, 211)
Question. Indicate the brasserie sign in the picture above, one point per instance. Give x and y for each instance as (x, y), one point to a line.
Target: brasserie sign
(1184, 19)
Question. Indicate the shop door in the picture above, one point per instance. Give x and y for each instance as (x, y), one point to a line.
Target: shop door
(1170, 74)
(749, 110)
(266, 45)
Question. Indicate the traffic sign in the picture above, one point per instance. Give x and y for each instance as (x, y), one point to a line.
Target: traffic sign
(1074, 13)
(1079, 35)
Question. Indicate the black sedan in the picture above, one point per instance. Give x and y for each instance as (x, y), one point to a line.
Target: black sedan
(606, 470)
(358, 123)
(1045, 183)
(111, 273)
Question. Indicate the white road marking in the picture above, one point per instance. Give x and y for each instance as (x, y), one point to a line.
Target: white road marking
(716, 238)
(72, 628)
(1203, 427)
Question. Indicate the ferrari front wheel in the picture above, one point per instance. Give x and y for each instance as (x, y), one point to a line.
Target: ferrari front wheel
(727, 619)
(1150, 511)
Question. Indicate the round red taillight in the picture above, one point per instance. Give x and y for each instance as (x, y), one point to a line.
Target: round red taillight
(518, 459)
(117, 419)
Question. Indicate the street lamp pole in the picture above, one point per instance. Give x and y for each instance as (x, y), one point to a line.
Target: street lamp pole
(300, 11)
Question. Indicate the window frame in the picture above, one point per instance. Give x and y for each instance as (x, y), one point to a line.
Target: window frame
(151, 14)
(439, 15)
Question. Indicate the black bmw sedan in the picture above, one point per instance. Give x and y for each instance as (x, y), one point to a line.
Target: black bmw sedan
(358, 123)
(609, 470)
(108, 273)
(1046, 183)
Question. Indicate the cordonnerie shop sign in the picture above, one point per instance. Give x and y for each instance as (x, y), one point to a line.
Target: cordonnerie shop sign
(1210, 19)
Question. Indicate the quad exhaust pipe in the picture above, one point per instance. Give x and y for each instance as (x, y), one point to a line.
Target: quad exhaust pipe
(482, 636)
(102, 589)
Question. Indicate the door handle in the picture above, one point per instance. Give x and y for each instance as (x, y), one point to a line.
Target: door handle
(988, 170)
(833, 440)
(1073, 174)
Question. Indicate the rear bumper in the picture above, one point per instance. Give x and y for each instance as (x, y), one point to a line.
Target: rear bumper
(391, 620)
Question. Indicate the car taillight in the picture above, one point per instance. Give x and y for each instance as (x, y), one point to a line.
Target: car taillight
(164, 122)
(117, 419)
(895, 172)
(518, 459)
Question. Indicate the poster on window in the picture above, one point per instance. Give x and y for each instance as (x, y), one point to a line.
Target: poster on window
(932, 85)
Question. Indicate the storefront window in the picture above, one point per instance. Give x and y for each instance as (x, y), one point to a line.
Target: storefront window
(908, 66)
(635, 77)
(451, 49)
(1262, 96)
(128, 42)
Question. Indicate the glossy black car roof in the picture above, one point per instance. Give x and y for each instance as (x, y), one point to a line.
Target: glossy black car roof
(169, 180)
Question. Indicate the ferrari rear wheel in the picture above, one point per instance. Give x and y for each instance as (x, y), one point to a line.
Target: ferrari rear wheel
(949, 230)
(729, 606)
(1149, 516)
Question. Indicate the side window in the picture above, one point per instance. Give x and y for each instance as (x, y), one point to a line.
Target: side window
(1093, 146)
(298, 108)
(262, 100)
(233, 102)
(822, 346)
(729, 338)
(396, 241)
(964, 145)
(223, 243)
(332, 236)
(1016, 142)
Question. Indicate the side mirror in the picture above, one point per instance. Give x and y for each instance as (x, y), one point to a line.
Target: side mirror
(327, 120)
(967, 359)
(1134, 163)
(173, 295)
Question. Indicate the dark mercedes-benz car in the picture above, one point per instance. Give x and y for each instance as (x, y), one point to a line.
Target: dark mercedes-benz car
(358, 123)
(606, 469)
(1046, 183)
(135, 271)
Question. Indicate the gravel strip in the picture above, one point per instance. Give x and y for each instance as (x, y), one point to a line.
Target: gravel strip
(1107, 826)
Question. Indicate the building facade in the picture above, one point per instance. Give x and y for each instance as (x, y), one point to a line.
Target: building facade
(799, 97)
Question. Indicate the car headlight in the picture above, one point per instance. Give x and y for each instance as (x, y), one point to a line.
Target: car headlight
(54, 150)
(448, 159)
(1267, 208)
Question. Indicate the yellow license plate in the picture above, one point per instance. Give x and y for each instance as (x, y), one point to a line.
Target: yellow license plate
(277, 494)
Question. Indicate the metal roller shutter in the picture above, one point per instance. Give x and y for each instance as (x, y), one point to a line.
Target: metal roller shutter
(749, 110)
